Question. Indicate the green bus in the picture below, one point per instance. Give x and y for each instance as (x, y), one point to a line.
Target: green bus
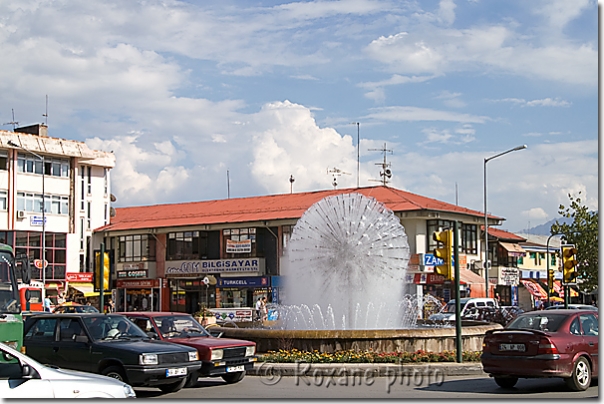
(11, 319)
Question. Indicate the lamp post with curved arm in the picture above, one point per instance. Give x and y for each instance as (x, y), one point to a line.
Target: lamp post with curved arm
(11, 143)
(486, 220)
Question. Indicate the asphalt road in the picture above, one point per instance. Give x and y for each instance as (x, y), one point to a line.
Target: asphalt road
(447, 387)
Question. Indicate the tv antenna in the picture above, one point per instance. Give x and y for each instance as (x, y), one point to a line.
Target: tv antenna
(14, 123)
(386, 173)
(336, 173)
(45, 115)
(291, 184)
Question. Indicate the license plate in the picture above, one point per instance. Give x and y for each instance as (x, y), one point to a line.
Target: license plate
(176, 372)
(235, 368)
(512, 347)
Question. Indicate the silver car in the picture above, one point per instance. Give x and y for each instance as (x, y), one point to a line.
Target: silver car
(23, 377)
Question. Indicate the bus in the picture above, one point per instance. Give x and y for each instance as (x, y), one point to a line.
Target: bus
(11, 319)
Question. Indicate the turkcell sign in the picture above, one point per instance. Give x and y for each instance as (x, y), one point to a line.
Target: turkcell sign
(36, 220)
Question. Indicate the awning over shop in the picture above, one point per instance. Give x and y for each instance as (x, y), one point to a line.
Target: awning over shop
(467, 276)
(534, 289)
(86, 288)
(513, 249)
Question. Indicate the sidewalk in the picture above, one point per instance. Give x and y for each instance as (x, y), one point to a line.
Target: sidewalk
(376, 369)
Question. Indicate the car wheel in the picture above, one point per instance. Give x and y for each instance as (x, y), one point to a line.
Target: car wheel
(115, 372)
(192, 380)
(506, 382)
(581, 377)
(173, 387)
(231, 378)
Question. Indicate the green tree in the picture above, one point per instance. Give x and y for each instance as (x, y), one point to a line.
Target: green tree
(583, 233)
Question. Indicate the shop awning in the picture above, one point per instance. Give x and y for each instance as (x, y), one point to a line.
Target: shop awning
(86, 288)
(513, 249)
(534, 289)
(469, 277)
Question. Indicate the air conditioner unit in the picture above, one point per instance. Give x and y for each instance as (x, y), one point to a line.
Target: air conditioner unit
(20, 214)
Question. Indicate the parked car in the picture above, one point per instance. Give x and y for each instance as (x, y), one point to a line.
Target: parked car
(573, 307)
(71, 307)
(545, 343)
(467, 305)
(221, 357)
(110, 345)
(24, 377)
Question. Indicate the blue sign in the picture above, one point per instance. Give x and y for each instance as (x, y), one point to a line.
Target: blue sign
(431, 261)
(37, 220)
(243, 282)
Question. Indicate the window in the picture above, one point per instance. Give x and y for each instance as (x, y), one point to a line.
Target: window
(33, 203)
(3, 160)
(52, 166)
(3, 199)
(138, 247)
(521, 260)
(82, 188)
(88, 215)
(42, 330)
(185, 245)
(469, 239)
(552, 260)
(436, 225)
(106, 179)
(81, 234)
(89, 169)
(106, 213)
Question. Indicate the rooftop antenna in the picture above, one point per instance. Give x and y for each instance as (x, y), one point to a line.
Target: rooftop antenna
(336, 173)
(14, 123)
(456, 195)
(46, 114)
(228, 186)
(358, 124)
(291, 184)
(386, 173)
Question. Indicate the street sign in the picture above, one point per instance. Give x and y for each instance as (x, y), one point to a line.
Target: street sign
(38, 264)
(37, 220)
(431, 261)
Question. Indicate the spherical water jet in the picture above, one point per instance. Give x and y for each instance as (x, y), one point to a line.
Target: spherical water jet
(347, 253)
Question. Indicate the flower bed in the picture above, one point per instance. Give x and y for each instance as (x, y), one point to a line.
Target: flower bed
(290, 356)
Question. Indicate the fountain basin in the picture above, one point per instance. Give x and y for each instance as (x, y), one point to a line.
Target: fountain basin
(432, 339)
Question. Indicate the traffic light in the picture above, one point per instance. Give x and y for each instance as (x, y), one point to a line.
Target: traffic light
(444, 251)
(569, 263)
(550, 281)
(101, 272)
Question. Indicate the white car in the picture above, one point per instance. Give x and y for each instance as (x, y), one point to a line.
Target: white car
(467, 304)
(23, 377)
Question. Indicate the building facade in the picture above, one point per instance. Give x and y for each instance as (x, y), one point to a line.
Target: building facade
(73, 184)
(227, 253)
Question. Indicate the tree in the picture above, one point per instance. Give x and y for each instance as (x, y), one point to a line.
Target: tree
(583, 233)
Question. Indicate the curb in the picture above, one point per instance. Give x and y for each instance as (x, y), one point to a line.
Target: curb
(377, 370)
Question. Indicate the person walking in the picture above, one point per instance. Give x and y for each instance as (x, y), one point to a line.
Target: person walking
(259, 308)
(264, 309)
(47, 304)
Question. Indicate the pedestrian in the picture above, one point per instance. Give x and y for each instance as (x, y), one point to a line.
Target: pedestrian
(47, 304)
(264, 309)
(259, 308)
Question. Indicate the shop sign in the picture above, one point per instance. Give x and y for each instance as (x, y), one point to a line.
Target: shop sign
(509, 276)
(213, 266)
(236, 314)
(238, 247)
(428, 278)
(133, 273)
(83, 277)
(138, 284)
(243, 282)
(133, 266)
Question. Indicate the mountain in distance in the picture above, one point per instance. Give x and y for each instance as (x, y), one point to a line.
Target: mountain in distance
(544, 229)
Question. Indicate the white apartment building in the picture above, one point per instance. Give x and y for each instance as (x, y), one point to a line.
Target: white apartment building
(76, 183)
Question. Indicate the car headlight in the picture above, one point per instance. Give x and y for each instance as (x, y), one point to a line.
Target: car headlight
(250, 350)
(193, 356)
(147, 359)
(129, 391)
(216, 354)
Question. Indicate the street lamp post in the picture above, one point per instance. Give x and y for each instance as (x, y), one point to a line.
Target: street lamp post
(486, 220)
(11, 143)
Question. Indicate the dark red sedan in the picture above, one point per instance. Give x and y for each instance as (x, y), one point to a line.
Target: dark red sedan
(221, 357)
(544, 343)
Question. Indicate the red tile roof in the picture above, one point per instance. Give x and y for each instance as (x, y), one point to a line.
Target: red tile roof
(260, 208)
(503, 235)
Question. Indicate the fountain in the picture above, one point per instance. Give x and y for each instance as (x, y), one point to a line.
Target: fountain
(344, 286)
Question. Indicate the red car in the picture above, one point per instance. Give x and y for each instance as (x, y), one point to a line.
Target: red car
(544, 343)
(221, 357)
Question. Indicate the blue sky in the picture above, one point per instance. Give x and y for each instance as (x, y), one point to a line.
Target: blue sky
(183, 92)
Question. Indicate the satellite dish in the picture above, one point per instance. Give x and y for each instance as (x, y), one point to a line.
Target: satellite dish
(211, 279)
(388, 173)
(112, 198)
(112, 212)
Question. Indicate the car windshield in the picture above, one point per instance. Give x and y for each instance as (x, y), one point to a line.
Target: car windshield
(181, 326)
(538, 321)
(112, 328)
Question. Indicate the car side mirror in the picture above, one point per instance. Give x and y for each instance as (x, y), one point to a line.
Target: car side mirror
(27, 372)
(81, 338)
(152, 335)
